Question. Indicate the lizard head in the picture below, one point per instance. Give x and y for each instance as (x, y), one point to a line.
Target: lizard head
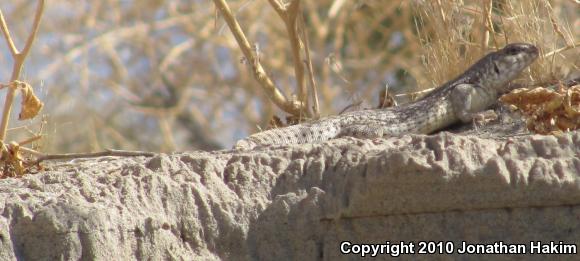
(505, 64)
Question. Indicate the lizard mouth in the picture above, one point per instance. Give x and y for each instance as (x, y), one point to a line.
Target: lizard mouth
(533, 52)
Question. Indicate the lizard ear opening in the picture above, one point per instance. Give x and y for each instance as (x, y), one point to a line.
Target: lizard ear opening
(495, 68)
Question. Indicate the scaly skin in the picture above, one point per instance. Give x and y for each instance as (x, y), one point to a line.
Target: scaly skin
(458, 100)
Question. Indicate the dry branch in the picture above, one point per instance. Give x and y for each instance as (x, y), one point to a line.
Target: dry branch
(109, 152)
(294, 108)
(289, 15)
(19, 57)
(372, 42)
(311, 79)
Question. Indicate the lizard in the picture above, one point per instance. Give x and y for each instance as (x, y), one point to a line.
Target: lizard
(461, 99)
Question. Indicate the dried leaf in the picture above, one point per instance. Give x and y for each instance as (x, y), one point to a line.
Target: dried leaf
(572, 103)
(31, 105)
(547, 111)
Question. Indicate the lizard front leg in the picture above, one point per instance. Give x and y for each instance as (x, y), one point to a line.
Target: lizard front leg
(470, 101)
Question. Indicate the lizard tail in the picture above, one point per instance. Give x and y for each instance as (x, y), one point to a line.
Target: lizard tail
(296, 134)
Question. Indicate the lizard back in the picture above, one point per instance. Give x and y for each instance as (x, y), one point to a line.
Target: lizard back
(459, 99)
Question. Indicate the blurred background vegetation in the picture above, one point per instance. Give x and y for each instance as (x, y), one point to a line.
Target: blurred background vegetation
(168, 75)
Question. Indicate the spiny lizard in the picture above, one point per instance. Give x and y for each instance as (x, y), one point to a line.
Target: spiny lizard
(458, 100)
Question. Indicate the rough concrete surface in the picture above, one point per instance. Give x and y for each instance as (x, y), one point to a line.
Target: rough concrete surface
(299, 202)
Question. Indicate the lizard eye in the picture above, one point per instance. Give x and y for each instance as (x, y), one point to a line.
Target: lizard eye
(512, 50)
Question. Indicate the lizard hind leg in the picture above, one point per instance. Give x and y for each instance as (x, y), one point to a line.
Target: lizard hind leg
(364, 131)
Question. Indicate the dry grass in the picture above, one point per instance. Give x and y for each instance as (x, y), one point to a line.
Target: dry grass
(169, 75)
(457, 33)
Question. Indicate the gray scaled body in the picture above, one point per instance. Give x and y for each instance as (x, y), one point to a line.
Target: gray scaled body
(457, 100)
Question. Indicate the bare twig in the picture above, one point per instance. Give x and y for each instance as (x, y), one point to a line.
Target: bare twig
(259, 73)
(441, 12)
(112, 37)
(7, 36)
(108, 152)
(19, 57)
(414, 93)
(314, 88)
(572, 46)
(30, 140)
(289, 15)
(487, 24)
